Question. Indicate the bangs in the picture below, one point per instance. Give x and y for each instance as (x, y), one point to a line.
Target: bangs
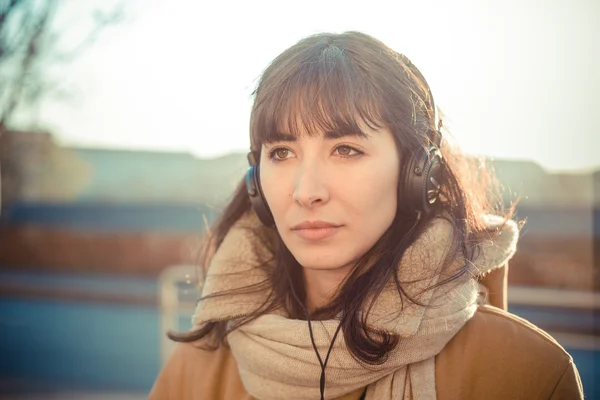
(321, 93)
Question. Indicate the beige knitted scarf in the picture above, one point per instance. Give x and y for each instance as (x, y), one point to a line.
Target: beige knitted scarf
(275, 356)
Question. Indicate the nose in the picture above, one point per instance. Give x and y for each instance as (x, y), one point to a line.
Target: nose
(311, 189)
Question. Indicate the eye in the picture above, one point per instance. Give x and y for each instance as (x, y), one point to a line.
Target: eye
(279, 154)
(346, 151)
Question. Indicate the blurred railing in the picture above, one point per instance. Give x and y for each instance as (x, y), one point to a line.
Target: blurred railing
(569, 316)
(172, 307)
(518, 295)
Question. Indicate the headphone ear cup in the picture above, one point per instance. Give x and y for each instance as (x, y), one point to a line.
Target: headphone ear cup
(421, 182)
(432, 181)
(406, 196)
(257, 199)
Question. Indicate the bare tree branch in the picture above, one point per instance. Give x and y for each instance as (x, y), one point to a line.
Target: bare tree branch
(29, 49)
(33, 52)
(103, 20)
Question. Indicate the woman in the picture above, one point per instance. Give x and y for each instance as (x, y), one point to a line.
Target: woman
(357, 257)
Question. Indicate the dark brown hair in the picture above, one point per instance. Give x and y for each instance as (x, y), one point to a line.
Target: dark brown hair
(336, 82)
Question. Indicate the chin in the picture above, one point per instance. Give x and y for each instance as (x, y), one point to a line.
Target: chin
(318, 262)
(326, 255)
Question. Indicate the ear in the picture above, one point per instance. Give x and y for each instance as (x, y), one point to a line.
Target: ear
(496, 283)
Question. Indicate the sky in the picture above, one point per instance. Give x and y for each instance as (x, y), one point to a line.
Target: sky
(516, 79)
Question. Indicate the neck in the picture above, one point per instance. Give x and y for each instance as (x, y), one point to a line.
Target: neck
(322, 285)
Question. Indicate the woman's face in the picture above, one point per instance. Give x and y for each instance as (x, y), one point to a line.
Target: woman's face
(332, 195)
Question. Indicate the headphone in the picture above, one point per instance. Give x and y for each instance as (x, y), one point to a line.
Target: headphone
(420, 177)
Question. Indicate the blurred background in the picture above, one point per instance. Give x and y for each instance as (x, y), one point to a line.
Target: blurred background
(123, 131)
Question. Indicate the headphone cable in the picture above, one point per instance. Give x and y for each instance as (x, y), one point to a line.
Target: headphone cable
(312, 339)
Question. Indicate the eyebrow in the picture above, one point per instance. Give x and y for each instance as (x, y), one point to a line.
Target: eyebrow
(330, 135)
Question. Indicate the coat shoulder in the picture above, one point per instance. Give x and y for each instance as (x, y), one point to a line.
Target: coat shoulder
(194, 372)
(500, 326)
(500, 355)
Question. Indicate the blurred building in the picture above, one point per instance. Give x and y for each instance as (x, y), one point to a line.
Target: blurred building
(35, 169)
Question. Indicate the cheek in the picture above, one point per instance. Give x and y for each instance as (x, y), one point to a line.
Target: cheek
(376, 193)
(375, 204)
(276, 188)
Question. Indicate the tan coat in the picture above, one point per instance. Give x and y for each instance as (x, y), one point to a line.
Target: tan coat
(496, 355)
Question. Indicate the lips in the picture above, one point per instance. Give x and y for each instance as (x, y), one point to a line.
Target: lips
(314, 225)
(316, 230)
